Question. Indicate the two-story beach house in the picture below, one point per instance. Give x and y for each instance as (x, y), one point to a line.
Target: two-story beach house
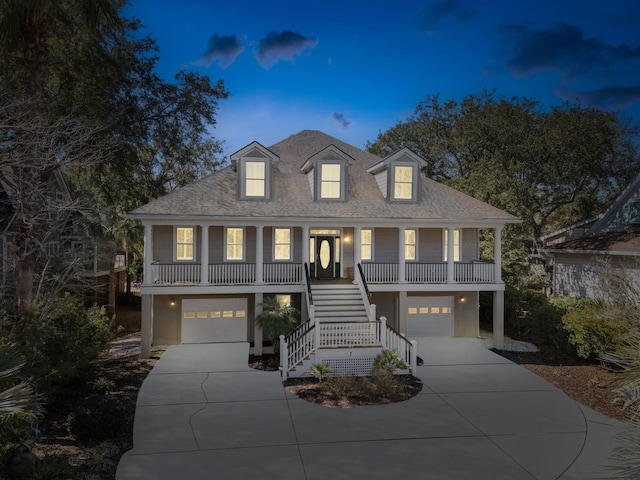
(370, 251)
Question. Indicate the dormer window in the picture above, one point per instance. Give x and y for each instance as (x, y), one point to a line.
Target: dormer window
(330, 179)
(253, 165)
(398, 176)
(403, 183)
(327, 172)
(255, 178)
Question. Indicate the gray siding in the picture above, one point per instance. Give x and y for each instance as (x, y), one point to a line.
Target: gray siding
(470, 249)
(430, 245)
(386, 245)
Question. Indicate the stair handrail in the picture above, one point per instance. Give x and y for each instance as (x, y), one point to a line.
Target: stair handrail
(365, 294)
(405, 348)
(311, 309)
(296, 346)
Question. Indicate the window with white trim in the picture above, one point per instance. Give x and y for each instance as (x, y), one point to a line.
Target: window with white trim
(185, 239)
(403, 182)
(366, 244)
(410, 242)
(282, 243)
(330, 177)
(255, 173)
(456, 245)
(235, 244)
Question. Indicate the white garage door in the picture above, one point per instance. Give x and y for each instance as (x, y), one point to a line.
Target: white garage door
(214, 321)
(429, 316)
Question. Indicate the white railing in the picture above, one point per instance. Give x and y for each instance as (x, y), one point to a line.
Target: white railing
(380, 272)
(175, 273)
(426, 272)
(282, 272)
(348, 334)
(406, 350)
(296, 347)
(232, 273)
(474, 272)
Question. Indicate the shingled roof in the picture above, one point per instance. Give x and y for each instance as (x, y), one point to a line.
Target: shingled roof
(215, 196)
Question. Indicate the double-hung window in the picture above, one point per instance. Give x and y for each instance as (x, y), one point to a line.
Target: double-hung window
(403, 182)
(456, 245)
(255, 179)
(330, 176)
(185, 238)
(366, 244)
(410, 243)
(235, 244)
(282, 243)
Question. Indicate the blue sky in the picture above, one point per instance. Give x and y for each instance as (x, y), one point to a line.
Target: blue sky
(352, 68)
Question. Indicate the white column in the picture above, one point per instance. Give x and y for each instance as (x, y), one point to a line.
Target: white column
(148, 255)
(204, 255)
(257, 331)
(497, 254)
(259, 254)
(305, 245)
(498, 320)
(146, 335)
(356, 246)
(450, 256)
(401, 260)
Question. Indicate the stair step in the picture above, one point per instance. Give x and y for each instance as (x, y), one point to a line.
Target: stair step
(340, 308)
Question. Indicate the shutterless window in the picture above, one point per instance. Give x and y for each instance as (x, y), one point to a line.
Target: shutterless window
(184, 243)
(282, 243)
(255, 179)
(330, 180)
(366, 244)
(403, 183)
(409, 244)
(456, 245)
(235, 244)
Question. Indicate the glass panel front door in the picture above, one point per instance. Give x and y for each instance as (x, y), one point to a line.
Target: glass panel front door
(325, 265)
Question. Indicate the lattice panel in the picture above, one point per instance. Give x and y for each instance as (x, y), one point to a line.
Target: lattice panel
(351, 366)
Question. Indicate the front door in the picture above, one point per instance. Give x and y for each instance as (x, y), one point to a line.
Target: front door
(325, 260)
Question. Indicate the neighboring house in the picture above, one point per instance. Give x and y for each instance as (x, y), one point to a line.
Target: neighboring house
(581, 257)
(348, 238)
(99, 271)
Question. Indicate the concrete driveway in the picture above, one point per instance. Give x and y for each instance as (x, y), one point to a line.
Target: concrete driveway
(203, 414)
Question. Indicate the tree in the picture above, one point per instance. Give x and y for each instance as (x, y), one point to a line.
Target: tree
(91, 108)
(276, 319)
(550, 168)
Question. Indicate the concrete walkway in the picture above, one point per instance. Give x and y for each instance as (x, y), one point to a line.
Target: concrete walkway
(203, 414)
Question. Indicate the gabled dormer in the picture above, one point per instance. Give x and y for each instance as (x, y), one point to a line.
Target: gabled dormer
(328, 173)
(254, 167)
(398, 176)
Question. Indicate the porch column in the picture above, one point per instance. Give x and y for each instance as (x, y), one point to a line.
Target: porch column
(147, 277)
(146, 316)
(498, 319)
(257, 331)
(259, 254)
(497, 254)
(356, 246)
(204, 255)
(450, 256)
(401, 261)
(305, 245)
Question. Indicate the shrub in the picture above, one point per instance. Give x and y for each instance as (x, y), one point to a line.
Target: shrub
(545, 322)
(320, 371)
(60, 345)
(387, 362)
(97, 417)
(49, 468)
(590, 330)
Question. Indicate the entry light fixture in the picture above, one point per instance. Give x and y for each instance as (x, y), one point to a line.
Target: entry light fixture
(172, 302)
(462, 299)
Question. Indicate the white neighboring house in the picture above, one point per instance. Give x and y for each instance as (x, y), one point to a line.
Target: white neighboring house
(368, 249)
(582, 256)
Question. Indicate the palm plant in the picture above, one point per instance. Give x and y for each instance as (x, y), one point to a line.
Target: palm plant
(18, 401)
(276, 319)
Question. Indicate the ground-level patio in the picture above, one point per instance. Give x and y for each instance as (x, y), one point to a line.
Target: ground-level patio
(202, 413)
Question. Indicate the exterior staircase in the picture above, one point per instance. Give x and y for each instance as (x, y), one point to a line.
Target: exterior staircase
(340, 334)
(338, 303)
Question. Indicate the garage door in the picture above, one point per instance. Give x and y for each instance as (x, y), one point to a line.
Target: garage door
(429, 316)
(214, 321)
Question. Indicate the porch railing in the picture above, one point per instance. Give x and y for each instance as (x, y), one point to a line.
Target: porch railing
(348, 334)
(225, 273)
(474, 272)
(282, 272)
(175, 273)
(232, 273)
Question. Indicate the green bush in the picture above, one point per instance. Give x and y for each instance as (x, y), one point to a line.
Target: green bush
(545, 322)
(590, 330)
(61, 344)
(97, 417)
